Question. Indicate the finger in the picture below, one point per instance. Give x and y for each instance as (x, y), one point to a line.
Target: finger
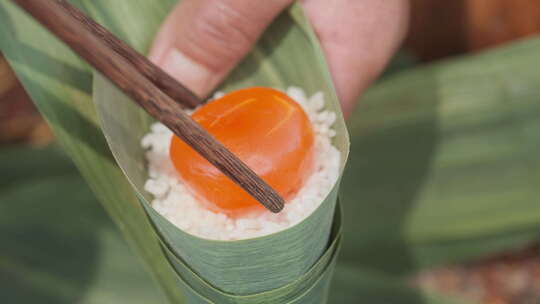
(358, 38)
(202, 40)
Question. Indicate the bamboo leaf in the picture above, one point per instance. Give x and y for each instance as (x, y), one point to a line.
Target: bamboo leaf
(444, 167)
(74, 122)
(241, 267)
(60, 84)
(58, 246)
(445, 162)
(357, 285)
(89, 263)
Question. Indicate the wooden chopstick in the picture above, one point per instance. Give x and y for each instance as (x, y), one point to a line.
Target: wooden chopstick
(157, 76)
(104, 52)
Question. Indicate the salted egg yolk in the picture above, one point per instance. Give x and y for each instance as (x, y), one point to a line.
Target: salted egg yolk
(267, 130)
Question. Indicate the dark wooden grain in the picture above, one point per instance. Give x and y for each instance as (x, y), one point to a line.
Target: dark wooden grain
(54, 16)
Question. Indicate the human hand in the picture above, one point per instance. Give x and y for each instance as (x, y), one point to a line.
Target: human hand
(201, 41)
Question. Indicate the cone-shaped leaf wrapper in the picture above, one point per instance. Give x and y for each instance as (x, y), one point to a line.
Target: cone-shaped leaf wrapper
(287, 55)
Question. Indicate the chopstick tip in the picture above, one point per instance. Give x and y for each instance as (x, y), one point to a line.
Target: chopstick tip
(276, 204)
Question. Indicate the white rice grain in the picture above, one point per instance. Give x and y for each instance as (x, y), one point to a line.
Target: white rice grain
(173, 200)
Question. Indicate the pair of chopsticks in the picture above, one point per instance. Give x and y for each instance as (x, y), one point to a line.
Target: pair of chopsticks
(150, 87)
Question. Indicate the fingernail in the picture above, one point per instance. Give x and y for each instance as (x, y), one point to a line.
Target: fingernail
(190, 73)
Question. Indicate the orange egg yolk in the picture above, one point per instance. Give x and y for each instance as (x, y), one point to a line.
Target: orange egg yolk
(267, 130)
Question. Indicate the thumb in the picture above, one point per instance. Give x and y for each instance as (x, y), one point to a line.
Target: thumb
(201, 41)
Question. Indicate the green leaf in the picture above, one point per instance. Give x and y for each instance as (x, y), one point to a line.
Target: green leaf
(356, 285)
(237, 267)
(82, 257)
(444, 167)
(57, 245)
(60, 84)
(20, 165)
(60, 88)
(445, 162)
